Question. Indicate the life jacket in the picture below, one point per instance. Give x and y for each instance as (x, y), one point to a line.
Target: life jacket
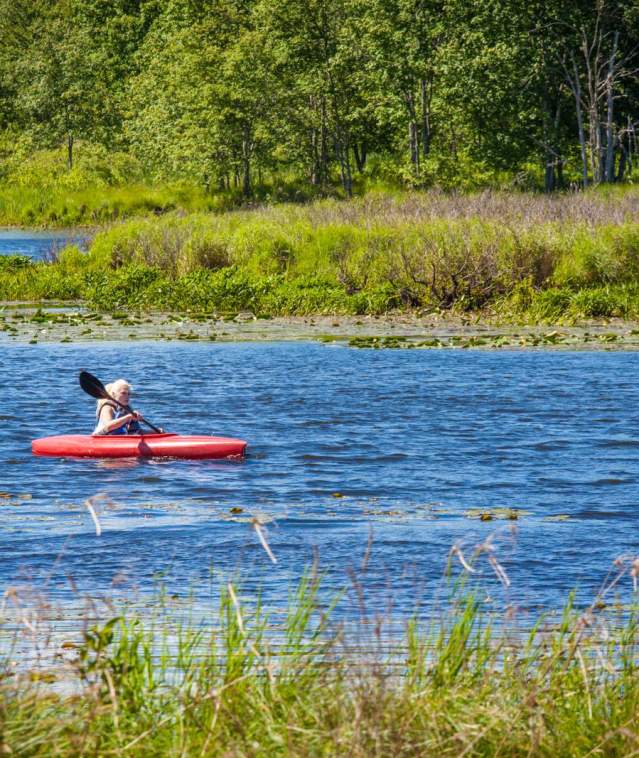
(133, 427)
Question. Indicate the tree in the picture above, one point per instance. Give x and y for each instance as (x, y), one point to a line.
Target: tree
(597, 59)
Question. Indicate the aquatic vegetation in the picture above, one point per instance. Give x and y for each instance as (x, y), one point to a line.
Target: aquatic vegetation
(250, 685)
(51, 323)
(490, 514)
(506, 257)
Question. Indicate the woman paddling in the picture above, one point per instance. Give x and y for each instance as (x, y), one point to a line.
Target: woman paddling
(113, 419)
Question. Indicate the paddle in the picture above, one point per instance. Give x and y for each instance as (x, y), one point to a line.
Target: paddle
(94, 387)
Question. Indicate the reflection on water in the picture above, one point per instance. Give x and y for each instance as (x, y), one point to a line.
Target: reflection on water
(117, 463)
(427, 449)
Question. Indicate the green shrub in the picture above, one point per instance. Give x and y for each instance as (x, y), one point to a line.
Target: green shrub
(14, 262)
(366, 256)
(600, 302)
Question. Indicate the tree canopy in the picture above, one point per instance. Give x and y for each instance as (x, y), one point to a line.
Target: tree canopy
(420, 92)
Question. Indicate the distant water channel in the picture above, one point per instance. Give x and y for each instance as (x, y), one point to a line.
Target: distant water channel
(400, 447)
(38, 244)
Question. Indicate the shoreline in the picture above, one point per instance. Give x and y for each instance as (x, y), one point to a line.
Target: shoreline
(32, 323)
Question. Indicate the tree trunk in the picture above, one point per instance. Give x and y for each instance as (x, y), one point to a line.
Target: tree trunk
(632, 145)
(246, 161)
(602, 152)
(360, 152)
(315, 178)
(413, 143)
(560, 173)
(549, 153)
(426, 91)
(324, 175)
(594, 122)
(609, 170)
(345, 166)
(623, 162)
(342, 147)
(319, 146)
(594, 140)
(70, 150)
(413, 134)
(246, 176)
(576, 90)
(316, 146)
(549, 173)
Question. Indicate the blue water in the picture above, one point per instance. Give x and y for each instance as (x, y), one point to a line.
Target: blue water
(411, 439)
(38, 244)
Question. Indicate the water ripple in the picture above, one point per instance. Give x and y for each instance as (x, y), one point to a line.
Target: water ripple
(403, 444)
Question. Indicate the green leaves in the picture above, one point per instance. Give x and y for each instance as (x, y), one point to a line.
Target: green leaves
(243, 94)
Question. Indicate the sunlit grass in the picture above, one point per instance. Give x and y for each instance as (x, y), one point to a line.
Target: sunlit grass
(466, 682)
(510, 256)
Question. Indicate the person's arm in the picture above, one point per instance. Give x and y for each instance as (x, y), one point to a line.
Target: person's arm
(106, 422)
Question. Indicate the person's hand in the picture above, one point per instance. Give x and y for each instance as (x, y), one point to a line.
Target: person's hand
(135, 416)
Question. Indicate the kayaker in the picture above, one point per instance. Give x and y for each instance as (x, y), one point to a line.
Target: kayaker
(112, 419)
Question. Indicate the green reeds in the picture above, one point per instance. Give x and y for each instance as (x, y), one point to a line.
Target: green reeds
(509, 256)
(241, 684)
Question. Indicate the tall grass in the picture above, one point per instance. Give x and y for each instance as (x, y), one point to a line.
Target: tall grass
(546, 258)
(61, 207)
(467, 683)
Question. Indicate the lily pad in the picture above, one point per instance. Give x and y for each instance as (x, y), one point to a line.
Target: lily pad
(489, 514)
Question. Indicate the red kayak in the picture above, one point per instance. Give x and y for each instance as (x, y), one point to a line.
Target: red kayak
(138, 446)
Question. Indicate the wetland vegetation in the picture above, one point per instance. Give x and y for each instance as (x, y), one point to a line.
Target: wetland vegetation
(243, 160)
(507, 256)
(303, 684)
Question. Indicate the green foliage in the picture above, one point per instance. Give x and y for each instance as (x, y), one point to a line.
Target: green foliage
(611, 256)
(383, 252)
(555, 304)
(302, 97)
(247, 684)
(47, 170)
(14, 262)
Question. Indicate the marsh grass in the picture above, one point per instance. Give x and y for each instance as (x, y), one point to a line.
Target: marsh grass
(512, 256)
(468, 682)
(60, 207)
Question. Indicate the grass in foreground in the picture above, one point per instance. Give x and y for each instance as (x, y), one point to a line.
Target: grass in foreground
(468, 684)
(512, 256)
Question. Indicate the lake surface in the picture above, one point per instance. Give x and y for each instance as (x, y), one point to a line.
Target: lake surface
(38, 244)
(413, 440)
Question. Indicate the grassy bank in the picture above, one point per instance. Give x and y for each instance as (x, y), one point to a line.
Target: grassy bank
(59, 207)
(468, 684)
(506, 255)
(37, 189)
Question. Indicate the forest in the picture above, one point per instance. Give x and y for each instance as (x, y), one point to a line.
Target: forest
(320, 96)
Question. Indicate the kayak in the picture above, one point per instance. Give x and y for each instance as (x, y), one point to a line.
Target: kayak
(138, 446)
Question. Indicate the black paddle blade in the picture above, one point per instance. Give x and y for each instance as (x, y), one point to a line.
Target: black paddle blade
(93, 386)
